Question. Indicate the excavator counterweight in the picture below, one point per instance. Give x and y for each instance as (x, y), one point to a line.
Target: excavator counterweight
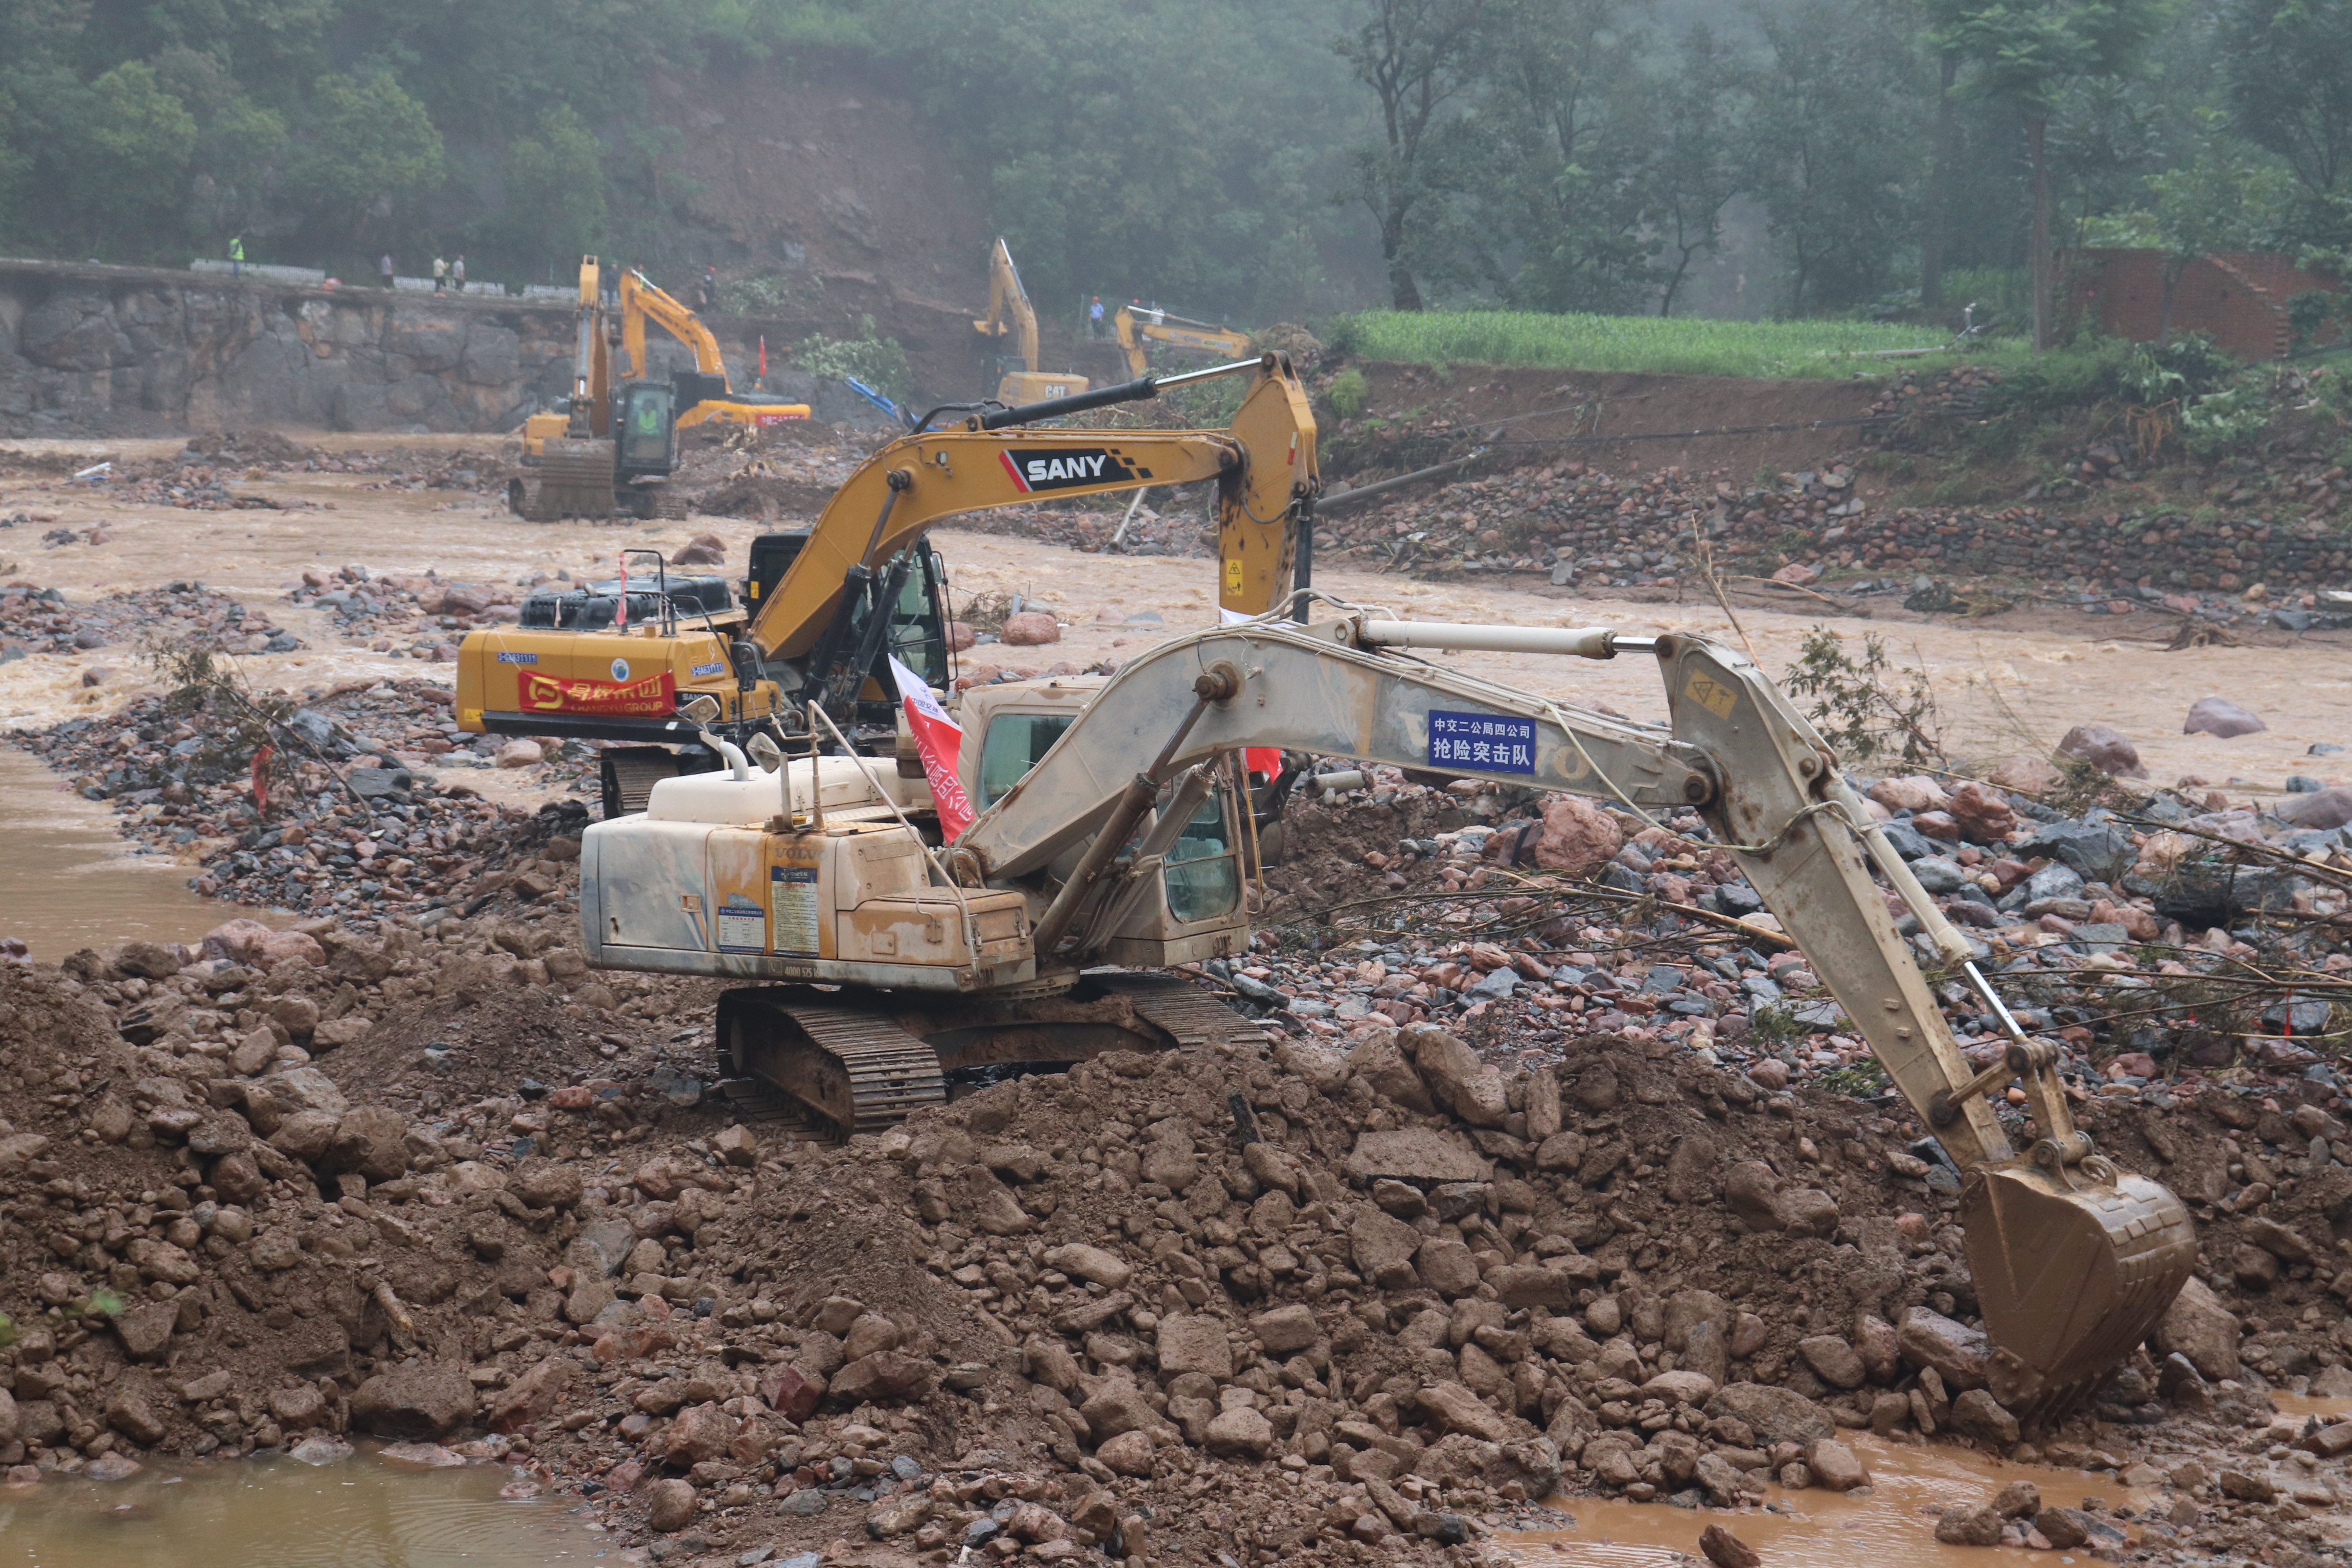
(1110, 835)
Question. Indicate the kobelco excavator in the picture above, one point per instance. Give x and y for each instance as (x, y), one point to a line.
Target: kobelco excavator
(875, 961)
(1142, 328)
(821, 609)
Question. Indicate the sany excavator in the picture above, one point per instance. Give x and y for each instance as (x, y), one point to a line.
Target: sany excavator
(1018, 379)
(873, 961)
(822, 609)
(1141, 328)
(612, 445)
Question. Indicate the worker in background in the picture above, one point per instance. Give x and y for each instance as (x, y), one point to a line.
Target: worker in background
(1095, 317)
(457, 272)
(237, 256)
(383, 268)
(440, 276)
(709, 288)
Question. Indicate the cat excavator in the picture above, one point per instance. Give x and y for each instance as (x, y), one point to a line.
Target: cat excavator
(876, 961)
(1017, 378)
(612, 446)
(822, 610)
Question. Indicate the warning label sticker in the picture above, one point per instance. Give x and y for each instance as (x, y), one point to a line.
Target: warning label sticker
(742, 926)
(791, 901)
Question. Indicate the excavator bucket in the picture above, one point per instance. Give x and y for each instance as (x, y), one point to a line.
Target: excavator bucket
(2069, 1279)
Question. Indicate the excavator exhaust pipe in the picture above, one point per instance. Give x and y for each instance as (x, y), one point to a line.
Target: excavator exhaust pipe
(2071, 1275)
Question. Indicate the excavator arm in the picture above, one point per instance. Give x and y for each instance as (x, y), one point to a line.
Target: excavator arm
(1009, 308)
(1174, 333)
(2074, 1260)
(641, 299)
(1263, 465)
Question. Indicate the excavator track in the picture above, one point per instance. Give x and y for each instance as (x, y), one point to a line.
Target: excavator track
(857, 1071)
(1189, 1016)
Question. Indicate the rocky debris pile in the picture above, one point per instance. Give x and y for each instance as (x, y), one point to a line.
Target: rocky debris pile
(210, 1246)
(2119, 934)
(1586, 528)
(1374, 1292)
(430, 612)
(1089, 527)
(362, 825)
(788, 469)
(1958, 391)
(183, 615)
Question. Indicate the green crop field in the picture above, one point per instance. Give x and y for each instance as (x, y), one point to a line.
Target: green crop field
(1683, 345)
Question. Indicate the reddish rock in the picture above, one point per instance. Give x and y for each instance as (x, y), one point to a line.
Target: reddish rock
(1029, 628)
(1577, 835)
(699, 1432)
(1969, 1527)
(2320, 809)
(533, 1397)
(1726, 1550)
(791, 1393)
(1834, 1466)
(1983, 816)
(2103, 749)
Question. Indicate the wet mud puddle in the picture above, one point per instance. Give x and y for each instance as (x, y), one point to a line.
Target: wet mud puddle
(359, 1513)
(67, 881)
(1893, 1522)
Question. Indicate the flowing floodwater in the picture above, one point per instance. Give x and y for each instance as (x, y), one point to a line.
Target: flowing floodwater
(68, 879)
(359, 1513)
(1893, 1521)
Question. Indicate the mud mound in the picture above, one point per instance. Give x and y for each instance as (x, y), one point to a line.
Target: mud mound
(761, 495)
(247, 446)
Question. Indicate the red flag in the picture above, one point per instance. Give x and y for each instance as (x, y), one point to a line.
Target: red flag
(939, 738)
(261, 778)
(621, 610)
(763, 358)
(1266, 760)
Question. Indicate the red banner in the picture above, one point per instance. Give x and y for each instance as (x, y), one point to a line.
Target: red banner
(939, 738)
(656, 696)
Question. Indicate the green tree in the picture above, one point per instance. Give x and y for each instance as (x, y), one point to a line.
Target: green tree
(371, 149)
(555, 188)
(2287, 69)
(1555, 151)
(2028, 53)
(134, 146)
(1703, 159)
(1836, 137)
(238, 141)
(1418, 56)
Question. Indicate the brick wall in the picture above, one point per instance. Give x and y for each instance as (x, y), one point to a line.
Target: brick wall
(2238, 297)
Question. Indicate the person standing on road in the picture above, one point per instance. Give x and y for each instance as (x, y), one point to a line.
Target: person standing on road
(457, 272)
(440, 276)
(237, 256)
(383, 268)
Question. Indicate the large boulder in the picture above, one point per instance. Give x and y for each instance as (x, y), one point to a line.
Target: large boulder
(1774, 1414)
(1469, 1086)
(1577, 835)
(1957, 1352)
(2219, 717)
(2199, 1328)
(2103, 749)
(414, 1404)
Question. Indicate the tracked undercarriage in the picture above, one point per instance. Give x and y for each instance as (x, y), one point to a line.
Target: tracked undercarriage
(843, 1063)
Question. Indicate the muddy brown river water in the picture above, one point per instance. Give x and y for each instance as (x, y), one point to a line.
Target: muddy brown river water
(359, 1513)
(68, 879)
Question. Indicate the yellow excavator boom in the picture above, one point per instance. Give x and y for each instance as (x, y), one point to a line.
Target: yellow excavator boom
(1010, 313)
(642, 300)
(1136, 327)
(1263, 463)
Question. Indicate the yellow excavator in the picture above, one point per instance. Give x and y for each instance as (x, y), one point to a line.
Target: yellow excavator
(821, 609)
(611, 448)
(1142, 327)
(1017, 378)
(875, 959)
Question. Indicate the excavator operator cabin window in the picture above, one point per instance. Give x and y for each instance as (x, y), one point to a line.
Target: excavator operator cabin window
(1201, 873)
(1015, 743)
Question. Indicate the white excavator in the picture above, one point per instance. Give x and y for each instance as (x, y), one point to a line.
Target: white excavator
(874, 958)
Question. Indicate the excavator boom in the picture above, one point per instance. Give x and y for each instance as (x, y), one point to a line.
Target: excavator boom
(1264, 465)
(1135, 328)
(2074, 1261)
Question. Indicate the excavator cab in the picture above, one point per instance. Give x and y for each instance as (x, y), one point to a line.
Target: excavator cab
(645, 432)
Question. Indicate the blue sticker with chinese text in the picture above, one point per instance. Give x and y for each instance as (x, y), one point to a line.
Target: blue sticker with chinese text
(1482, 741)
